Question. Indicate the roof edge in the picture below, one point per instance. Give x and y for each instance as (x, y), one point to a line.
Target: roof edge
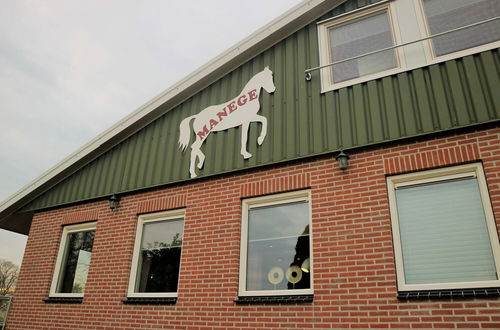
(265, 37)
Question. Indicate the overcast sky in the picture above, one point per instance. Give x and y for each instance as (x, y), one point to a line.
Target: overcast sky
(70, 69)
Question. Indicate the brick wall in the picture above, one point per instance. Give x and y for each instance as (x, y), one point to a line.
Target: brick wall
(354, 271)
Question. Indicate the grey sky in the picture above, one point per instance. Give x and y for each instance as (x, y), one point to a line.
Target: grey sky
(70, 69)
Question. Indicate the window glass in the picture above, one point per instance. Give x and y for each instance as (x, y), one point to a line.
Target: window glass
(278, 247)
(159, 256)
(76, 262)
(445, 15)
(359, 37)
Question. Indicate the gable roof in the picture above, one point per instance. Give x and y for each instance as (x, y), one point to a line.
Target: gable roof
(267, 36)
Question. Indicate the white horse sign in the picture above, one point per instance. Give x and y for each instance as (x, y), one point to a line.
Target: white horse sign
(241, 110)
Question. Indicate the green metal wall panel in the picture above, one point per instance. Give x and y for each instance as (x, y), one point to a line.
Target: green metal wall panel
(301, 121)
(349, 6)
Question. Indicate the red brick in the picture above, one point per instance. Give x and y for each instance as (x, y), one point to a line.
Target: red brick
(355, 280)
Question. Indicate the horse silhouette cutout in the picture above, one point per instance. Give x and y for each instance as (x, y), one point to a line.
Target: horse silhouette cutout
(239, 111)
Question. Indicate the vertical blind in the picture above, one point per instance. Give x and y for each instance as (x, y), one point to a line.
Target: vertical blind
(443, 232)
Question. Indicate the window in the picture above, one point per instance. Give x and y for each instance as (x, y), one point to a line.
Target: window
(355, 35)
(276, 245)
(344, 40)
(73, 261)
(446, 15)
(444, 230)
(157, 255)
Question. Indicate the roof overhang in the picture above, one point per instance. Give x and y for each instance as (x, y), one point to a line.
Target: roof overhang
(264, 38)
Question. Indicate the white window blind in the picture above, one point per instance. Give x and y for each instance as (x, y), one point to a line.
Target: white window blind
(359, 37)
(445, 15)
(443, 232)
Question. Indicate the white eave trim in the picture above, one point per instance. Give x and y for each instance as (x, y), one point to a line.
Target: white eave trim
(182, 86)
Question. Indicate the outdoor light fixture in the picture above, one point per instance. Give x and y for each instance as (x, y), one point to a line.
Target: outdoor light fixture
(342, 159)
(114, 202)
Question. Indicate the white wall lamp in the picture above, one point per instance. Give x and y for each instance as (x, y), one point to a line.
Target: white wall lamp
(343, 160)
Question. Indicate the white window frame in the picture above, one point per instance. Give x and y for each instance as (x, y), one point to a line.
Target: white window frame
(271, 200)
(88, 226)
(440, 175)
(417, 54)
(327, 83)
(143, 219)
(432, 58)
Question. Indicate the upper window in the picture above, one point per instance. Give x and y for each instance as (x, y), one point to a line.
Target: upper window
(343, 40)
(157, 255)
(444, 230)
(73, 260)
(389, 37)
(275, 245)
(447, 15)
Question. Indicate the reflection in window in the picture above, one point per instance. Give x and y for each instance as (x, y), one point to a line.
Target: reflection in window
(76, 262)
(445, 15)
(278, 247)
(159, 256)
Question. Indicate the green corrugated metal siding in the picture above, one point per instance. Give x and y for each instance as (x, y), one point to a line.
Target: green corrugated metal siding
(348, 6)
(301, 120)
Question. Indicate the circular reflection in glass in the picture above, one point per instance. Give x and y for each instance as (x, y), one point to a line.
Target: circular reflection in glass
(275, 275)
(294, 274)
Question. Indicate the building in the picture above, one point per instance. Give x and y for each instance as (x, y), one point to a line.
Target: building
(195, 211)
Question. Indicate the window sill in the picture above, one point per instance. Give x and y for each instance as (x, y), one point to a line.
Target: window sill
(150, 300)
(329, 87)
(285, 299)
(63, 300)
(456, 293)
